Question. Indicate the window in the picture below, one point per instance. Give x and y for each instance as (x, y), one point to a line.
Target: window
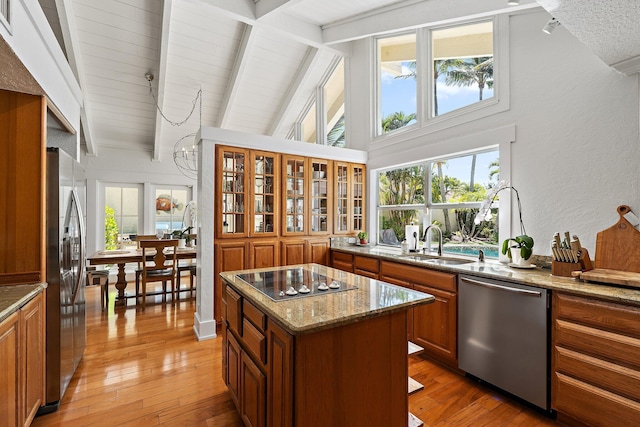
(170, 205)
(309, 125)
(121, 215)
(455, 188)
(5, 13)
(397, 74)
(333, 96)
(462, 61)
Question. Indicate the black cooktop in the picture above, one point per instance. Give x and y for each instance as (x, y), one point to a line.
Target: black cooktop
(292, 283)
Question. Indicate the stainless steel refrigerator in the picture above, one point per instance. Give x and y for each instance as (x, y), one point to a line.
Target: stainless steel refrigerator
(66, 273)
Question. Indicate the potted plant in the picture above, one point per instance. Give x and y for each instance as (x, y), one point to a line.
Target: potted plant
(520, 250)
(183, 236)
(363, 236)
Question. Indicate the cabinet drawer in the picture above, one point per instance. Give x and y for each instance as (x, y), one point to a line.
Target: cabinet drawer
(604, 408)
(256, 317)
(341, 257)
(596, 342)
(255, 341)
(366, 264)
(602, 314)
(600, 373)
(234, 310)
(419, 275)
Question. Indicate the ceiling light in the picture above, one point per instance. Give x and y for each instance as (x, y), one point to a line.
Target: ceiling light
(513, 2)
(551, 25)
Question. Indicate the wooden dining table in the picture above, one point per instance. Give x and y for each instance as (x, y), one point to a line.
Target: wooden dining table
(124, 256)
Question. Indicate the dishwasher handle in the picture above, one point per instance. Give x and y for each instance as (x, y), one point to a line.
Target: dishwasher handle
(502, 287)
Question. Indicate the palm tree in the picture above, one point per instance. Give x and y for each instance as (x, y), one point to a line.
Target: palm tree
(335, 137)
(396, 120)
(473, 71)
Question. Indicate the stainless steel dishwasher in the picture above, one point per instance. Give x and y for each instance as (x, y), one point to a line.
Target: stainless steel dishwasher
(503, 336)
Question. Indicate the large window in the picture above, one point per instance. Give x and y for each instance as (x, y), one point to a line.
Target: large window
(122, 217)
(397, 74)
(446, 192)
(462, 61)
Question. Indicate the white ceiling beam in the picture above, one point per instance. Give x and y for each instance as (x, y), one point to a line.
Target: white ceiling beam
(72, 46)
(302, 75)
(167, 8)
(415, 14)
(265, 7)
(237, 72)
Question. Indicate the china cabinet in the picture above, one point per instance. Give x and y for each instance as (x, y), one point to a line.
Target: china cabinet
(349, 197)
(320, 189)
(264, 182)
(293, 197)
(231, 190)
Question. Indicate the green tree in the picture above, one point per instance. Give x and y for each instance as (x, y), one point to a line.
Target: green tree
(472, 71)
(396, 120)
(110, 229)
(401, 187)
(335, 137)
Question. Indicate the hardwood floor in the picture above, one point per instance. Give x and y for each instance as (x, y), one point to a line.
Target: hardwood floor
(146, 368)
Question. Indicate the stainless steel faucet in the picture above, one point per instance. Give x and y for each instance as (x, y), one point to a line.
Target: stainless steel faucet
(424, 238)
(480, 255)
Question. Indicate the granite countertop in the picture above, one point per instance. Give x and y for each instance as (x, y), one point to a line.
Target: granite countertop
(313, 313)
(12, 297)
(539, 277)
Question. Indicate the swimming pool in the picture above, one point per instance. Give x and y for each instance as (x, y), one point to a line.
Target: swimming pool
(489, 251)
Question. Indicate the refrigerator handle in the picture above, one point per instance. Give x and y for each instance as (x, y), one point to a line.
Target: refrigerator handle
(82, 269)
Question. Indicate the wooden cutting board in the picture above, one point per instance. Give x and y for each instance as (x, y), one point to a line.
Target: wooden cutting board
(614, 277)
(618, 247)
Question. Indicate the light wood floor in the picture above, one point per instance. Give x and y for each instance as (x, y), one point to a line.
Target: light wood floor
(146, 368)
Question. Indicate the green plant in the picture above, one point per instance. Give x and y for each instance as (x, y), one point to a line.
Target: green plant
(183, 234)
(110, 229)
(524, 242)
(363, 235)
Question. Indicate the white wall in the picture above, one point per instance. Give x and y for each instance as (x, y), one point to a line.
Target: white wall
(127, 167)
(576, 151)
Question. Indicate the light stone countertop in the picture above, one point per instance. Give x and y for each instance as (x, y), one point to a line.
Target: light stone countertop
(12, 297)
(494, 269)
(316, 312)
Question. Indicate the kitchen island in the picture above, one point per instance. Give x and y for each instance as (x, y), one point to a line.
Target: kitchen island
(336, 355)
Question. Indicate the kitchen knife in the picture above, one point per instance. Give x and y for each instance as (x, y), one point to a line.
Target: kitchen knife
(567, 244)
(556, 238)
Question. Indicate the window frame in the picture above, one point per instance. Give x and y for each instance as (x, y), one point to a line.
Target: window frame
(500, 101)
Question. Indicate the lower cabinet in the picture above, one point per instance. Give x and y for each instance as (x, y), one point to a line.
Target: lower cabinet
(595, 361)
(22, 363)
(433, 326)
(252, 388)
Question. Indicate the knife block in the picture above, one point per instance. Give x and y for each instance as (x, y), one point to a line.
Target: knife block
(564, 269)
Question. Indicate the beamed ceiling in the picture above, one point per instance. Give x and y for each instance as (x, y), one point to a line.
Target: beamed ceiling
(258, 63)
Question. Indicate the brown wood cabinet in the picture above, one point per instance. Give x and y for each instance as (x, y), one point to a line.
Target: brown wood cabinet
(230, 255)
(595, 361)
(22, 173)
(320, 200)
(264, 253)
(22, 361)
(342, 261)
(434, 326)
(294, 195)
(232, 192)
(294, 382)
(264, 179)
(349, 197)
(366, 266)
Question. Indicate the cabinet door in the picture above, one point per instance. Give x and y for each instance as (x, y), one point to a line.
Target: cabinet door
(294, 203)
(233, 368)
(435, 325)
(253, 389)
(319, 192)
(231, 192)
(280, 370)
(341, 198)
(293, 251)
(410, 312)
(228, 256)
(33, 340)
(10, 403)
(265, 181)
(318, 251)
(358, 191)
(264, 253)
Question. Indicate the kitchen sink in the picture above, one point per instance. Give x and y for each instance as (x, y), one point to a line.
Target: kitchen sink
(434, 259)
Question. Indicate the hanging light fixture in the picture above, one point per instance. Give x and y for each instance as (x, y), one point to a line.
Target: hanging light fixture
(185, 153)
(513, 2)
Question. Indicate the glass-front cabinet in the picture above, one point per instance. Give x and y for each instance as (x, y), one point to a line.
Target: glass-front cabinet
(320, 199)
(264, 179)
(350, 189)
(341, 224)
(293, 200)
(232, 189)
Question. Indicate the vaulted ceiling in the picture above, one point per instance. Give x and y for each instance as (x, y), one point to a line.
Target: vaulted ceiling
(257, 62)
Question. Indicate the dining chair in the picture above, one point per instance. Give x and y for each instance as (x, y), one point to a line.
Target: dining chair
(99, 277)
(162, 268)
(187, 265)
(139, 238)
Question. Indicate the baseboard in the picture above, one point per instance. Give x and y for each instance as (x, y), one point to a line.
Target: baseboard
(204, 330)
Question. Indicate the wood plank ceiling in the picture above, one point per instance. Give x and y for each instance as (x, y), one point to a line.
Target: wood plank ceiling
(257, 64)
